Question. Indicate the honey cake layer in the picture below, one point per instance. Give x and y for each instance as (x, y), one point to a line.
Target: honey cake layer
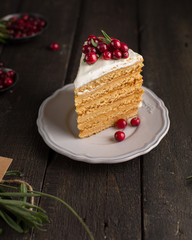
(127, 101)
(109, 98)
(100, 118)
(106, 88)
(108, 123)
(107, 78)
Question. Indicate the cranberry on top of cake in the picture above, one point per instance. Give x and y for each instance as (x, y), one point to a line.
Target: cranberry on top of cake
(108, 47)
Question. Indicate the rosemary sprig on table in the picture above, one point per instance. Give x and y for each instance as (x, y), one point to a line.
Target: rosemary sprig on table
(4, 32)
(22, 215)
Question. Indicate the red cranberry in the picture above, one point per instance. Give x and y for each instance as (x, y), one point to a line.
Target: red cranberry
(13, 19)
(110, 48)
(25, 17)
(1, 86)
(1, 64)
(94, 50)
(121, 123)
(17, 35)
(125, 54)
(135, 122)
(20, 21)
(1, 72)
(107, 55)
(101, 38)
(96, 41)
(86, 48)
(54, 46)
(124, 47)
(116, 54)
(115, 44)
(90, 58)
(10, 74)
(8, 82)
(102, 47)
(41, 23)
(119, 136)
(91, 37)
(24, 35)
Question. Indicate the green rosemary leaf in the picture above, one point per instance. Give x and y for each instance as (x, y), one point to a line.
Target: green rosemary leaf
(102, 39)
(4, 35)
(23, 189)
(1, 230)
(18, 194)
(2, 25)
(93, 43)
(28, 216)
(189, 177)
(71, 209)
(10, 222)
(3, 191)
(38, 194)
(20, 204)
(108, 39)
(2, 41)
(17, 173)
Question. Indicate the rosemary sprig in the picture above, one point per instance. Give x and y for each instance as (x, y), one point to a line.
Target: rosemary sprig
(4, 32)
(107, 38)
(21, 215)
(16, 173)
(189, 177)
(93, 43)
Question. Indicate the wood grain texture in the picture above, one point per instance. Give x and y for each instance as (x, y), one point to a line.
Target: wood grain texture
(41, 72)
(166, 46)
(107, 197)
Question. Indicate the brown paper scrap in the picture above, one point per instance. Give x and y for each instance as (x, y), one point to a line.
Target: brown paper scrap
(4, 164)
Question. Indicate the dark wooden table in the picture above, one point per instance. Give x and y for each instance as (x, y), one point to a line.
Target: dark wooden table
(145, 198)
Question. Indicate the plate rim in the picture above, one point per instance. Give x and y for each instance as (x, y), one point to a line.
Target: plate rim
(99, 160)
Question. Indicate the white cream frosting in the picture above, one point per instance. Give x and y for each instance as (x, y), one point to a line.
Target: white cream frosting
(88, 73)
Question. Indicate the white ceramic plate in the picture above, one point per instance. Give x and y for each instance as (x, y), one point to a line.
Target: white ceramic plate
(57, 125)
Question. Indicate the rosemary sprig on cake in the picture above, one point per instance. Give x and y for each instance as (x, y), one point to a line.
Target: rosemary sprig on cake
(105, 46)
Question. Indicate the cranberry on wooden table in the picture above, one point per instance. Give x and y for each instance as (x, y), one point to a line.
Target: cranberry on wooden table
(54, 46)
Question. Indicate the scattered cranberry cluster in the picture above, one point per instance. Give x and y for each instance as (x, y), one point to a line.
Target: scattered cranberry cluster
(121, 124)
(7, 78)
(108, 47)
(24, 26)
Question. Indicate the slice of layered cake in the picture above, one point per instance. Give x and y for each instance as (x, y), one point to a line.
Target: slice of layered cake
(108, 84)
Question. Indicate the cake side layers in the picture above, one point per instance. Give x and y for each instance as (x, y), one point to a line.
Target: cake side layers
(128, 79)
(109, 98)
(108, 78)
(106, 109)
(96, 128)
(115, 110)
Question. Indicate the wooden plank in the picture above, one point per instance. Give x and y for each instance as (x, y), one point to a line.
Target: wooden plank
(107, 197)
(166, 47)
(41, 72)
